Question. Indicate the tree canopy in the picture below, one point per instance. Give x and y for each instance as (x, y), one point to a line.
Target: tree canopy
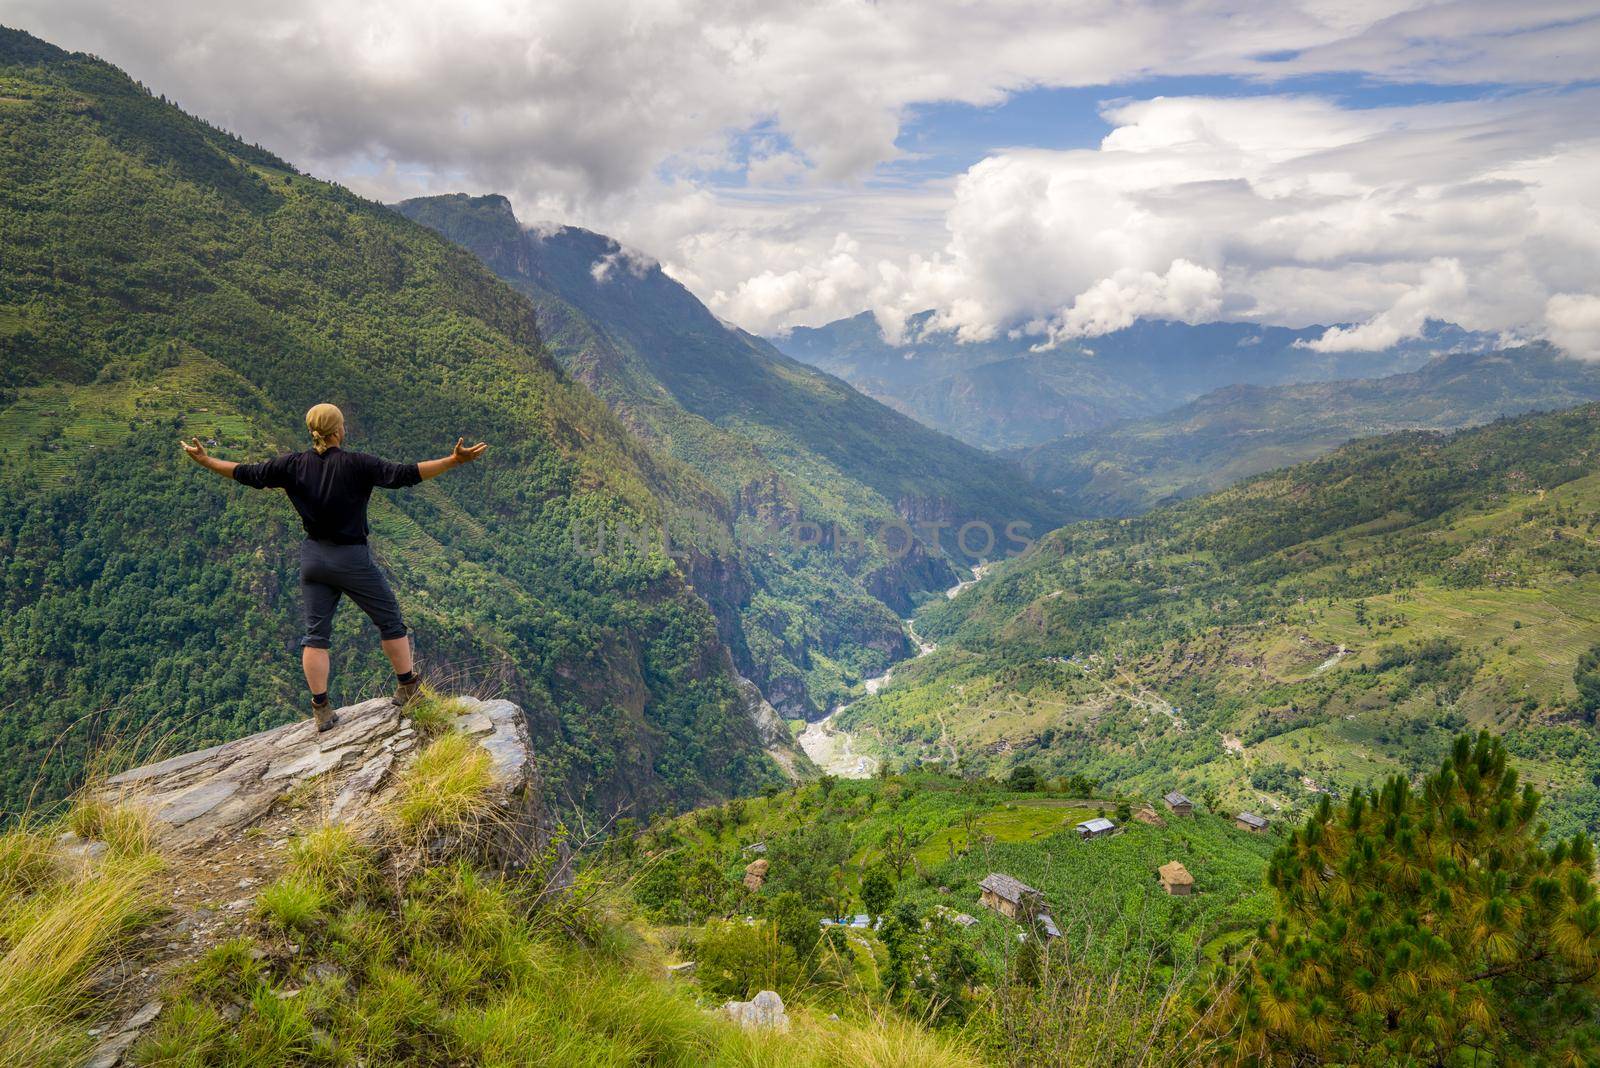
(1426, 925)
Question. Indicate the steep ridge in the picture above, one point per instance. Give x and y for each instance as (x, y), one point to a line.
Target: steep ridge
(796, 454)
(1239, 431)
(1311, 629)
(163, 279)
(1000, 393)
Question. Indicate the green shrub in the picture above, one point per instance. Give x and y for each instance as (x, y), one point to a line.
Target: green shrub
(738, 959)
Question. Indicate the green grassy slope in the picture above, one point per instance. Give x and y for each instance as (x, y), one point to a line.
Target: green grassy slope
(162, 278)
(784, 443)
(1314, 628)
(1233, 433)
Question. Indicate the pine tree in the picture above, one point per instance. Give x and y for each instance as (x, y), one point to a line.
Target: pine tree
(1425, 926)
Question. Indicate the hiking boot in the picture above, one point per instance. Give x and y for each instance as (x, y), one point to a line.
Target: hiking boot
(406, 692)
(323, 715)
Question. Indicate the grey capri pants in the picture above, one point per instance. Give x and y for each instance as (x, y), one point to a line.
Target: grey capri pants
(328, 570)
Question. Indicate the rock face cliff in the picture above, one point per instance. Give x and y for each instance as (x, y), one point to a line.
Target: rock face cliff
(343, 775)
(775, 736)
(223, 819)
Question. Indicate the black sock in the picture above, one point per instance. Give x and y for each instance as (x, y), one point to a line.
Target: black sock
(320, 698)
(410, 676)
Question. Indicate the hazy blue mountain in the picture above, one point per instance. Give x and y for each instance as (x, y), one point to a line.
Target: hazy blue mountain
(1238, 431)
(1001, 394)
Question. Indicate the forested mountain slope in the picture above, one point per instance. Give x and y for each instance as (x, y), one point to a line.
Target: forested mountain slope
(785, 444)
(1314, 628)
(1000, 393)
(161, 278)
(1239, 431)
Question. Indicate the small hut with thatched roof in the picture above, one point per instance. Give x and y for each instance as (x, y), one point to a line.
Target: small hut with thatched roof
(1175, 879)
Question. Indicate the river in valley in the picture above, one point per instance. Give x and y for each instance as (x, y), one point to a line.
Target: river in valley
(834, 750)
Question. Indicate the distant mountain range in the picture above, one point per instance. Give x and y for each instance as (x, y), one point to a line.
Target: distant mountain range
(1238, 431)
(789, 448)
(1001, 394)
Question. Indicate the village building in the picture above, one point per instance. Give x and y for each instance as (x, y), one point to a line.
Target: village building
(1016, 900)
(1098, 827)
(1179, 804)
(1010, 897)
(1175, 879)
(1249, 821)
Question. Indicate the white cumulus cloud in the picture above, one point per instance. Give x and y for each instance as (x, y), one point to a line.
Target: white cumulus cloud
(1186, 292)
(1574, 323)
(1442, 284)
(1306, 212)
(737, 141)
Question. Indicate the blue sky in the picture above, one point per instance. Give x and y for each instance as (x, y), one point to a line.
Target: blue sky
(949, 137)
(940, 139)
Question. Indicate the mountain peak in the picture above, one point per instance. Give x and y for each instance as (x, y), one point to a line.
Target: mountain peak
(20, 46)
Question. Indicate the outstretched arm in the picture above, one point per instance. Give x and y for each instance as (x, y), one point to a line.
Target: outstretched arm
(197, 453)
(461, 454)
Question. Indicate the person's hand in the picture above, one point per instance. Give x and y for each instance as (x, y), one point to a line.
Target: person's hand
(196, 451)
(464, 453)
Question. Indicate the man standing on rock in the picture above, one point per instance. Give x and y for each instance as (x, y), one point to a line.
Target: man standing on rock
(330, 489)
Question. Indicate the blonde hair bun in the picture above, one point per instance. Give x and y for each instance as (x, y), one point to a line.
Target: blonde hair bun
(326, 423)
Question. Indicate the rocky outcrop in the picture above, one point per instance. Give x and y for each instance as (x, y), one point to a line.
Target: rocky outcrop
(763, 1012)
(774, 733)
(785, 688)
(755, 874)
(344, 775)
(898, 582)
(223, 819)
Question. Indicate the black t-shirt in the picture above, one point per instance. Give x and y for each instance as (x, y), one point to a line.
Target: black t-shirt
(330, 490)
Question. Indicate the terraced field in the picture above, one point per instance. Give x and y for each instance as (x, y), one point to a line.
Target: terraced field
(49, 429)
(1103, 892)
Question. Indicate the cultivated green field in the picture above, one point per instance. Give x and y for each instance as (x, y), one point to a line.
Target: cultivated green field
(1103, 892)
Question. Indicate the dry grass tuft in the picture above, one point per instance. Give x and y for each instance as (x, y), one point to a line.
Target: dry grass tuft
(332, 857)
(58, 937)
(27, 862)
(127, 829)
